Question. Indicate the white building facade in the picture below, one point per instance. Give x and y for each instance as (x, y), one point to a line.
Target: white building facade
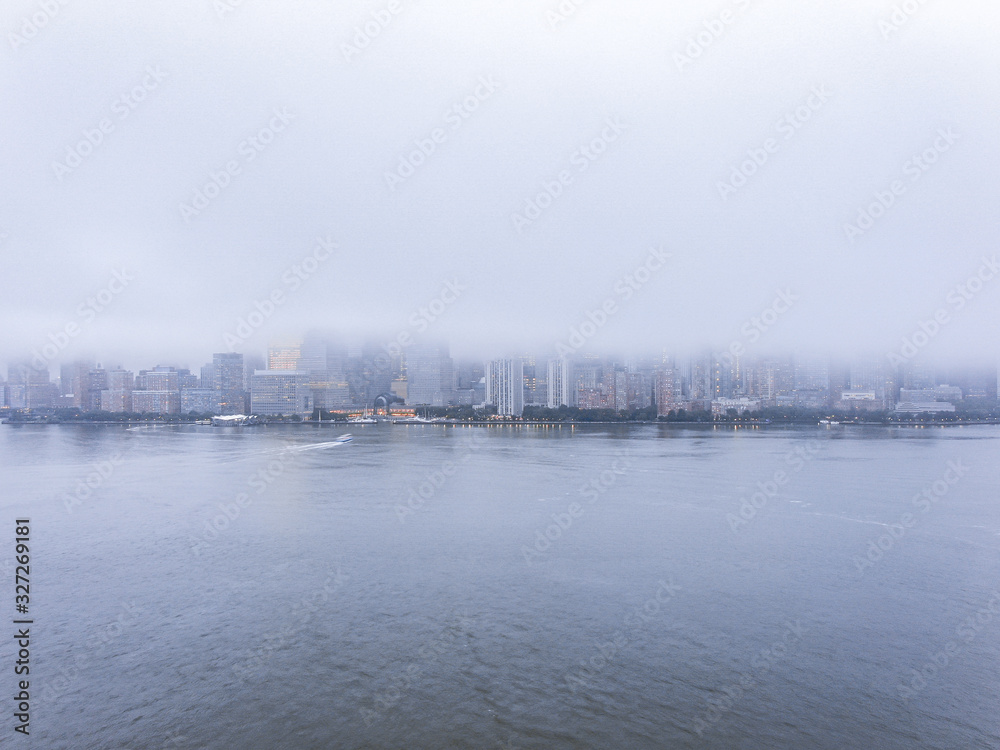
(505, 386)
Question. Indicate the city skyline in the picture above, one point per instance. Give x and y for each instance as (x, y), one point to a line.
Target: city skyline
(322, 372)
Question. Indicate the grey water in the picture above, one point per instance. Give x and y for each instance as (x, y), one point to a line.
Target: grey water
(507, 587)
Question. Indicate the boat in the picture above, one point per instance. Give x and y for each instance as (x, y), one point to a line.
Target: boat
(363, 419)
(417, 419)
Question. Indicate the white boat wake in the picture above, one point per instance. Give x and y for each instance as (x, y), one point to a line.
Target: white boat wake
(342, 440)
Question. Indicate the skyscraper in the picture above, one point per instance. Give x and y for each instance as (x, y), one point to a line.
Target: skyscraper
(535, 389)
(430, 375)
(228, 370)
(284, 355)
(97, 381)
(281, 393)
(639, 392)
(587, 377)
(812, 373)
(870, 373)
(505, 386)
(208, 377)
(118, 395)
(721, 377)
(30, 386)
(157, 391)
(73, 380)
(323, 358)
(775, 377)
(668, 390)
(560, 383)
(701, 378)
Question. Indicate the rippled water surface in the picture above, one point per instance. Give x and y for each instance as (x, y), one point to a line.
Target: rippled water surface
(457, 587)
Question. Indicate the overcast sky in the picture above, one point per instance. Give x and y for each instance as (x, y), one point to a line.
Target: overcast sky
(313, 117)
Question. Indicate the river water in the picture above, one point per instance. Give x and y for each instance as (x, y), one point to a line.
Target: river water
(508, 587)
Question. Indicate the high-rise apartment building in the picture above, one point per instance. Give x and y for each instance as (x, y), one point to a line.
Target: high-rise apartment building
(157, 391)
(97, 381)
(117, 397)
(559, 383)
(199, 401)
(535, 388)
(160, 378)
(588, 377)
(156, 402)
(721, 377)
(668, 390)
(505, 386)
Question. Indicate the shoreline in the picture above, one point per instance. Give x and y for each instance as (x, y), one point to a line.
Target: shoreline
(497, 423)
